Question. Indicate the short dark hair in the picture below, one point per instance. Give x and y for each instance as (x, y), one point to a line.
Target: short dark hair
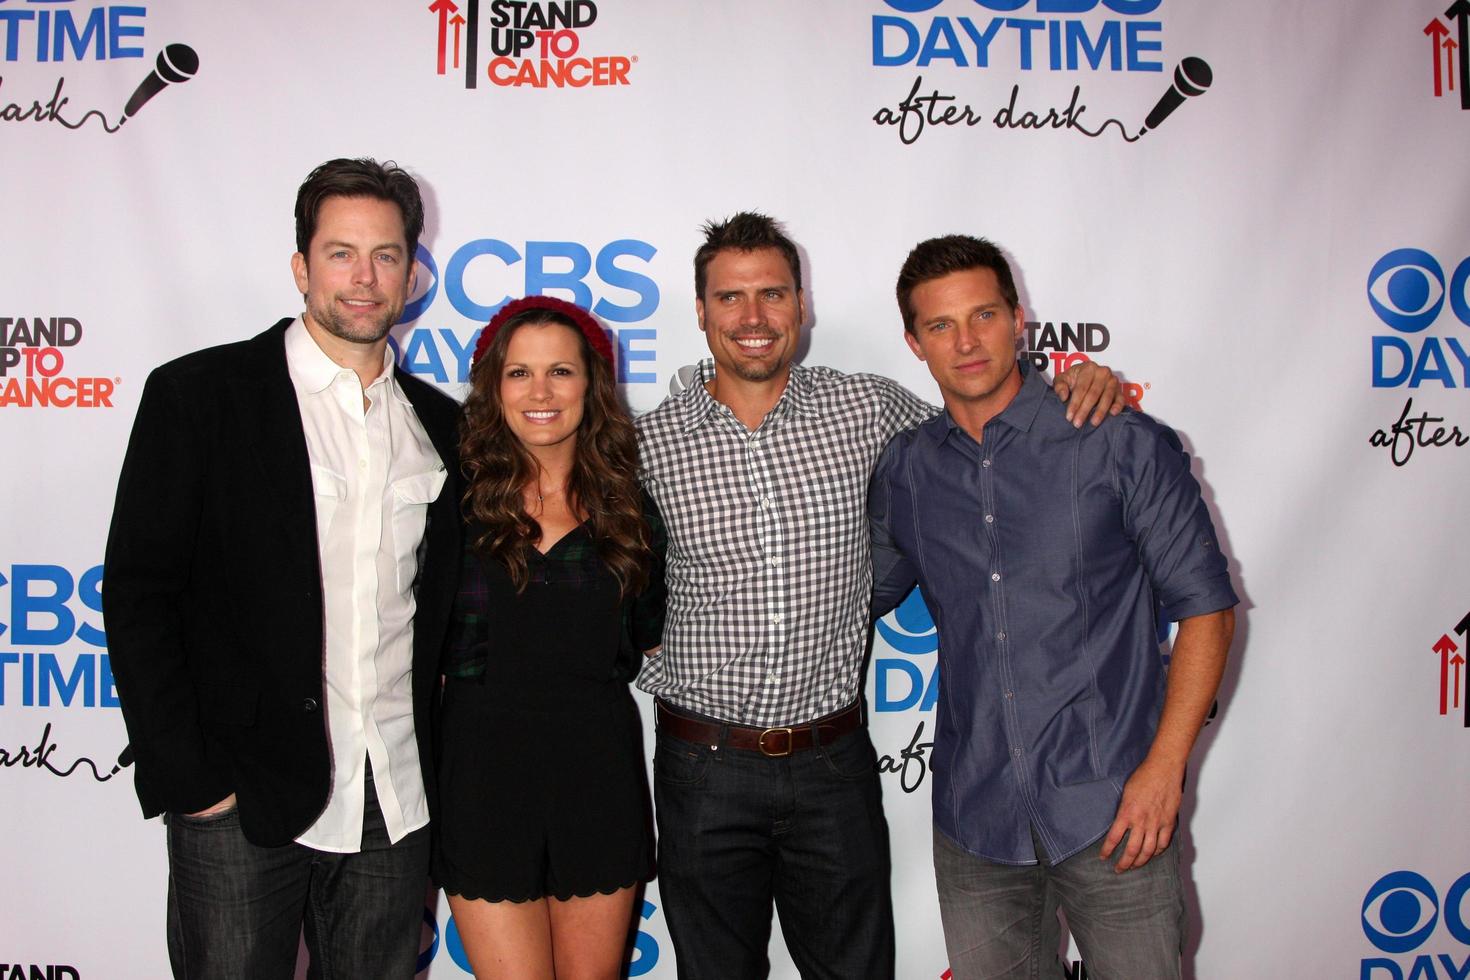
(364, 177)
(745, 232)
(939, 257)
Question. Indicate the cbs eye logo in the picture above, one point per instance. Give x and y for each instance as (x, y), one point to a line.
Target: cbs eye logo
(1402, 908)
(912, 629)
(1407, 289)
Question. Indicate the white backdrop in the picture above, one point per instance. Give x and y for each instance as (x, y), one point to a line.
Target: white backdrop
(1246, 258)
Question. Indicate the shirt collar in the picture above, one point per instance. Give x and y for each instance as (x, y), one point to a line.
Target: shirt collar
(312, 371)
(700, 405)
(1020, 414)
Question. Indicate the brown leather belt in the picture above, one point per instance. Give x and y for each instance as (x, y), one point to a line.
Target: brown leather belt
(774, 743)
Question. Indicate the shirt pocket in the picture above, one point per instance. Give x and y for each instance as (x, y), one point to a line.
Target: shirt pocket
(411, 498)
(329, 489)
(831, 516)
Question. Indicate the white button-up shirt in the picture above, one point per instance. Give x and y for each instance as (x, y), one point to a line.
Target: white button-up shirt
(375, 473)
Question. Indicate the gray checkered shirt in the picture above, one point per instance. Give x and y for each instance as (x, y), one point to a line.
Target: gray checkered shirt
(769, 572)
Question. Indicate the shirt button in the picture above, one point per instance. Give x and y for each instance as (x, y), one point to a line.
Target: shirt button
(995, 576)
(989, 518)
(1016, 753)
(308, 706)
(985, 463)
(774, 561)
(362, 464)
(776, 618)
(1010, 695)
(1001, 636)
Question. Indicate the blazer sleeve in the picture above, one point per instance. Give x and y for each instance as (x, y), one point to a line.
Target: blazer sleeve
(148, 564)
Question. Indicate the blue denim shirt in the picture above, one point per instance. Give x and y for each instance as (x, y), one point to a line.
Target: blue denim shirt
(1045, 556)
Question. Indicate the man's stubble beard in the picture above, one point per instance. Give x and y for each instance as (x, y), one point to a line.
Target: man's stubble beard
(758, 371)
(343, 328)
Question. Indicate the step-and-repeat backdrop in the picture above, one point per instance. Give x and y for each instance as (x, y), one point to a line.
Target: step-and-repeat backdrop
(1258, 213)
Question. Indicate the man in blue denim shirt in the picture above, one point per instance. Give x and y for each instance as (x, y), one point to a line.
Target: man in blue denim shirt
(1044, 552)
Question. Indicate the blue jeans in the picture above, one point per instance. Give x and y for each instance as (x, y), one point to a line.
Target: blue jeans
(1000, 921)
(236, 911)
(738, 830)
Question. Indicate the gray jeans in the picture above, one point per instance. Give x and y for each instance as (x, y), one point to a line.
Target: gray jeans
(1000, 920)
(236, 911)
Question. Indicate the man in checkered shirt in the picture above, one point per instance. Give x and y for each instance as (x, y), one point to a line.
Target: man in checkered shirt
(766, 782)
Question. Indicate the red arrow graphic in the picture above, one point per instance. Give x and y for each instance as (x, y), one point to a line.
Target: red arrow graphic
(1437, 32)
(1444, 647)
(443, 8)
(1457, 661)
(456, 20)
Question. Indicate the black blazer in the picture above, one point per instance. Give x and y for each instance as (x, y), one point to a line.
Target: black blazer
(212, 593)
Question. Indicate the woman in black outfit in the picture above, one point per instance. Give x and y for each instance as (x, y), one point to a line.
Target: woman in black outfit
(545, 830)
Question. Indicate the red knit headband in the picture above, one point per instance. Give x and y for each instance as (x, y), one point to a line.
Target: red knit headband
(591, 329)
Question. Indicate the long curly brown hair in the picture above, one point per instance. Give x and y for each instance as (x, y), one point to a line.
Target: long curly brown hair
(603, 483)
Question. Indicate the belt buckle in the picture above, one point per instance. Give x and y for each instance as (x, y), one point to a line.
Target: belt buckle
(768, 753)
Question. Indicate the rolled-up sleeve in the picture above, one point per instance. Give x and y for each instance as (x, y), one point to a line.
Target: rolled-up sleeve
(1164, 512)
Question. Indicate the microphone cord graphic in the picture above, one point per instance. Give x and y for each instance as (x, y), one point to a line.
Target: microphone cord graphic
(176, 63)
(1191, 78)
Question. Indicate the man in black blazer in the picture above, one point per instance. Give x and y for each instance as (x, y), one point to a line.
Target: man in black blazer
(279, 573)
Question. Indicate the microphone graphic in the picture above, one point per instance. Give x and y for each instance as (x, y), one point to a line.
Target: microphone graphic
(124, 759)
(176, 63)
(1191, 78)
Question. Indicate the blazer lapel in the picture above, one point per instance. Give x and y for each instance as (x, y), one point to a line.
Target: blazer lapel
(445, 438)
(439, 562)
(270, 426)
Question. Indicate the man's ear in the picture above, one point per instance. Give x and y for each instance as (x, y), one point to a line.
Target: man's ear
(913, 342)
(298, 270)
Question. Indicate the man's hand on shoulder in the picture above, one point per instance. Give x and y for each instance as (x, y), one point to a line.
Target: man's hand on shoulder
(1146, 814)
(1089, 387)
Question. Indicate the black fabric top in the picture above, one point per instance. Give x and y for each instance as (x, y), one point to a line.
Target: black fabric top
(554, 633)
